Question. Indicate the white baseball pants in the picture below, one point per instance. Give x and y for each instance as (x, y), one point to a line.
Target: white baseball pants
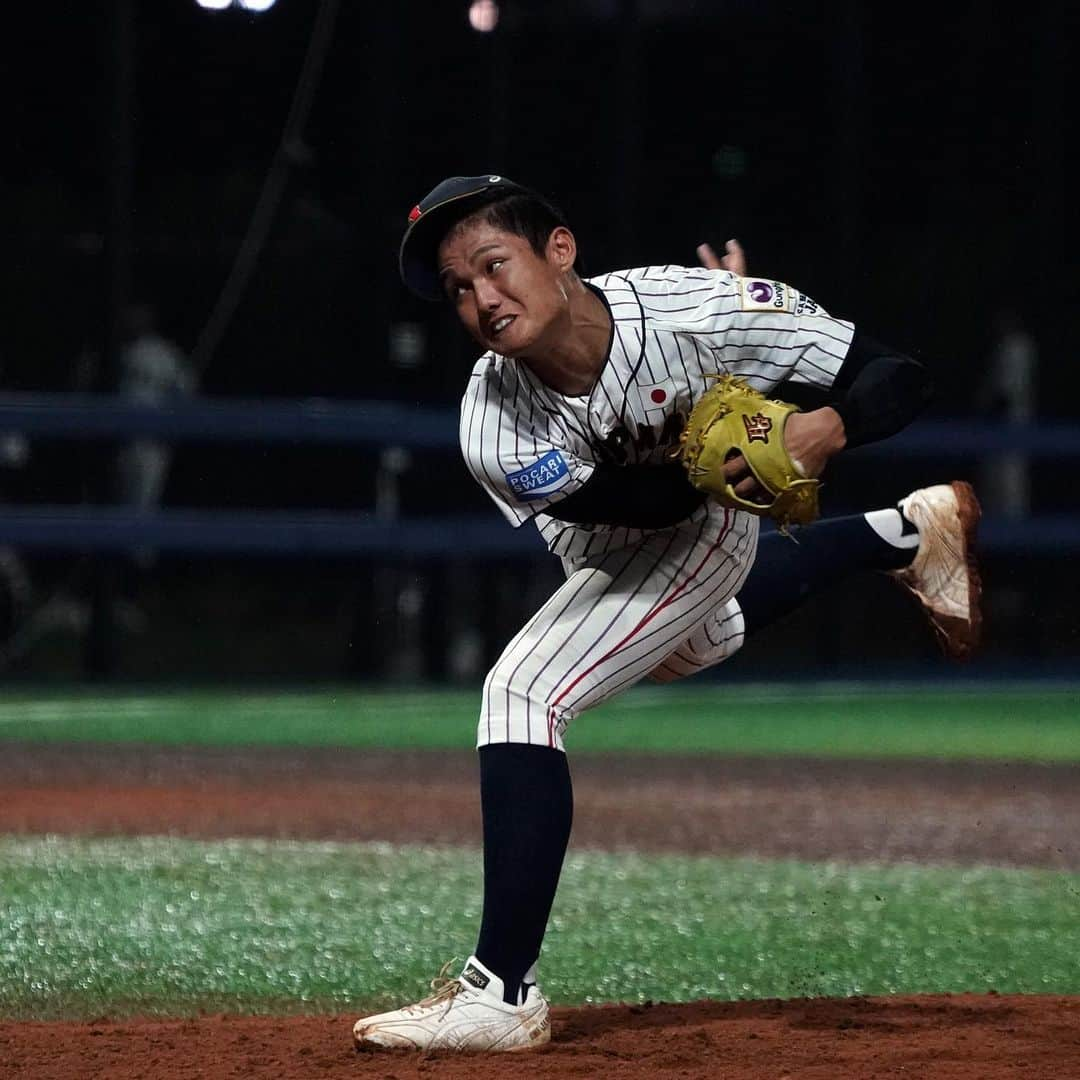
(664, 607)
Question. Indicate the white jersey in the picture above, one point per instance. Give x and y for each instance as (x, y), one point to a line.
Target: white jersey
(674, 328)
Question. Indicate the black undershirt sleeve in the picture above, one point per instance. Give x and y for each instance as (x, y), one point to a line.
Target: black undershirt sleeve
(637, 496)
(877, 391)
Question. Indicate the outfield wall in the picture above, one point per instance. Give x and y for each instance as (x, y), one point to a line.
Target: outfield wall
(405, 572)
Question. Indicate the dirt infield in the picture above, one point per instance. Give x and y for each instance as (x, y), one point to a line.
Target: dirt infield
(931, 1038)
(1022, 815)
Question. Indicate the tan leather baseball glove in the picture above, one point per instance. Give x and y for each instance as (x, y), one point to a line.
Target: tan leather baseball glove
(732, 417)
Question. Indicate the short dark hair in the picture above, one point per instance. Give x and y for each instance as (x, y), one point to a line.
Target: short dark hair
(523, 214)
(489, 198)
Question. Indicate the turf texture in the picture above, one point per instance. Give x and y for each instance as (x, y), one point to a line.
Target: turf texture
(153, 925)
(1034, 723)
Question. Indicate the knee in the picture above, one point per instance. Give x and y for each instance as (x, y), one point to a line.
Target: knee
(515, 708)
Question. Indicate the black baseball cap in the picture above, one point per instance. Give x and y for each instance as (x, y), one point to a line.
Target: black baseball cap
(433, 216)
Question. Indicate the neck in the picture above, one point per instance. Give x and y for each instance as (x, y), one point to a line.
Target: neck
(571, 364)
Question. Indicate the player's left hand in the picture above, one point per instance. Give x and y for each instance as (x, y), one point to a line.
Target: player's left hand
(810, 438)
(734, 258)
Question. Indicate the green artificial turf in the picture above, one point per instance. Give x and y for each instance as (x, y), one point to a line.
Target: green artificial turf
(858, 720)
(166, 926)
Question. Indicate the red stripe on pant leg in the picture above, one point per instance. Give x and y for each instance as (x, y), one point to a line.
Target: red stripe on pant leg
(648, 618)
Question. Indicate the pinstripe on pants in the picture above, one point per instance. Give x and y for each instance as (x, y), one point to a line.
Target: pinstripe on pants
(666, 603)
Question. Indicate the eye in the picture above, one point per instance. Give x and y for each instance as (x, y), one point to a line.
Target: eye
(494, 265)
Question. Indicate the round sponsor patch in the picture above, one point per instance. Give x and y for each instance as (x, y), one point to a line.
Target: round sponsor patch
(760, 295)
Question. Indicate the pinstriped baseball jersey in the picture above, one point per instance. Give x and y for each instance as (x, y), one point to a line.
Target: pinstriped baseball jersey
(673, 329)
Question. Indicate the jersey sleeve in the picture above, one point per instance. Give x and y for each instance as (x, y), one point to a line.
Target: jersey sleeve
(764, 330)
(515, 451)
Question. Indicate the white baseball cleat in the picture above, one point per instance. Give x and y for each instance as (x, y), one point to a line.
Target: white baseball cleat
(467, 1013)
(944, 575)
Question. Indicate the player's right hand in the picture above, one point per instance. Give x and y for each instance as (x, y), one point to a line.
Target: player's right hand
(734, 258)
(810, 438)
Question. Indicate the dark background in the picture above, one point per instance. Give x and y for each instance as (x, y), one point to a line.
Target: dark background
(904, 165)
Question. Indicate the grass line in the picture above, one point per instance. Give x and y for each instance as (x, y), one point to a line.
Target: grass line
(1037, 723)
(158, 925)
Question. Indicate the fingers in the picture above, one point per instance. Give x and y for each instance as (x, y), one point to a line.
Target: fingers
(709, 258)
(743, 481)
(734, 258)
(735, 468)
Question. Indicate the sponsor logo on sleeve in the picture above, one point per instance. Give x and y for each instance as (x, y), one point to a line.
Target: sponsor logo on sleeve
(804, 305)
(538, 481)
(765, 295)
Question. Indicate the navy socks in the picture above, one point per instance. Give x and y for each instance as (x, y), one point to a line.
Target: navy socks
(528, 806)
(786, 572)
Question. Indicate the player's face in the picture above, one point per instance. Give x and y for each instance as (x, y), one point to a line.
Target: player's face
(509, 298)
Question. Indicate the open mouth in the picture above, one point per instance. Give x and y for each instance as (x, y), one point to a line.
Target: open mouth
(499, 325)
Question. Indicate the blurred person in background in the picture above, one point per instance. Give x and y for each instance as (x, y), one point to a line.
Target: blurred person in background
(153, 371)
(1009, 394)
(15, 589)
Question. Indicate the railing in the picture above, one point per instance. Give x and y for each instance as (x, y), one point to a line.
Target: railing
(317, 420)
(113, 529)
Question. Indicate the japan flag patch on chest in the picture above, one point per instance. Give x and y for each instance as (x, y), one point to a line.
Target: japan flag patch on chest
(657, 401)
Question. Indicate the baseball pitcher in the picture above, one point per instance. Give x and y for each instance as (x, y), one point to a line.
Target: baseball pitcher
(638, 420)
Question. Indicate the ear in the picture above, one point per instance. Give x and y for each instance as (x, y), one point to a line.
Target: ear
(562, 249)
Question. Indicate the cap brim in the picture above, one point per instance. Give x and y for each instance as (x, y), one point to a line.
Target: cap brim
(420, 244)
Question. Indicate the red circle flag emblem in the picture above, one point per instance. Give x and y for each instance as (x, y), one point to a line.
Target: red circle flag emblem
(414, 213)
(659, 396)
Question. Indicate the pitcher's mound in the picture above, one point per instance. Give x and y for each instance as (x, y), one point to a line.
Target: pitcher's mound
(961, 1037)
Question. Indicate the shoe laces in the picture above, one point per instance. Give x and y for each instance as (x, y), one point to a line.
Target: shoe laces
(445, 988)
